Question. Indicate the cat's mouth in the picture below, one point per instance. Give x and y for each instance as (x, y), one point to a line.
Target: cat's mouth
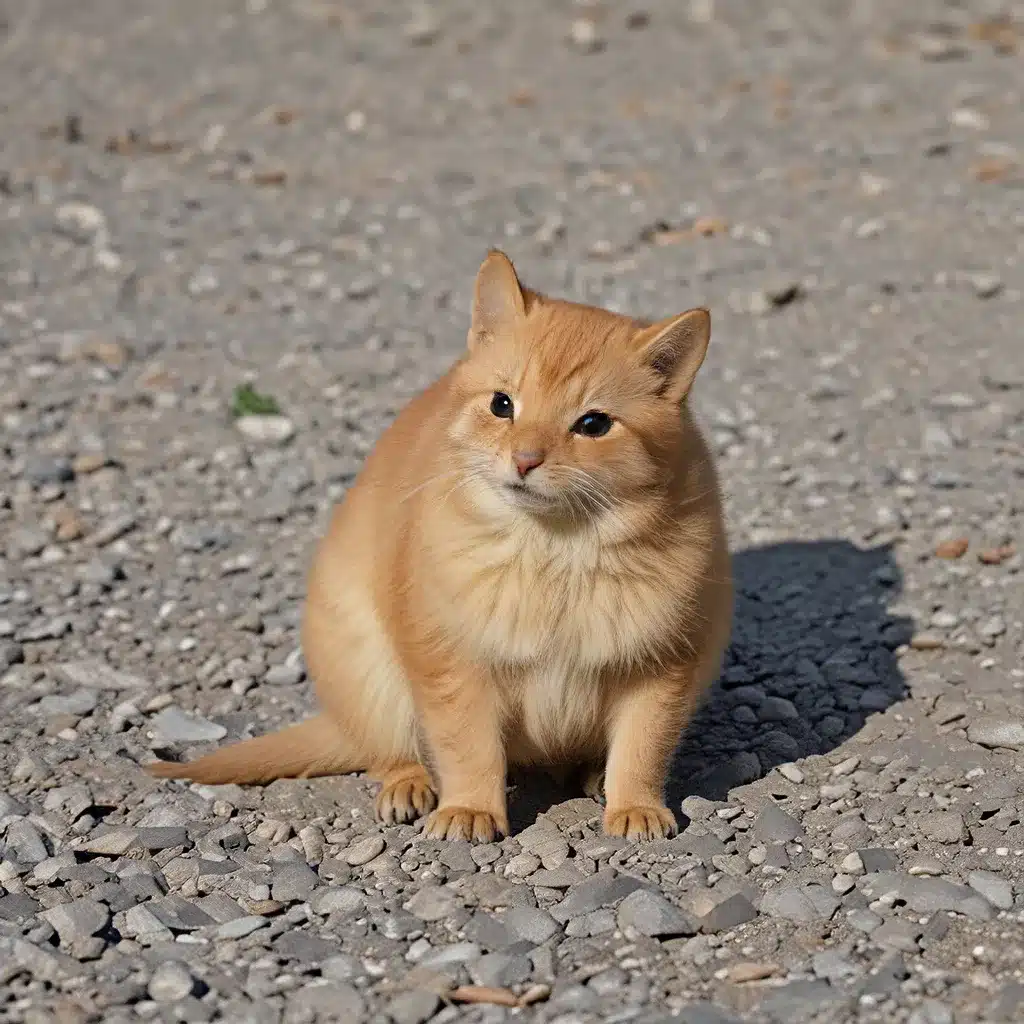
(525, 494)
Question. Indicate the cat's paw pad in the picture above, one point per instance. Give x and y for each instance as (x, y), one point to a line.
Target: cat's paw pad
(640, 822)
(405, 798)
(464, 823)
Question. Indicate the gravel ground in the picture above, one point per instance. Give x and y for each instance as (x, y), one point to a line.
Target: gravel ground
(296, 194)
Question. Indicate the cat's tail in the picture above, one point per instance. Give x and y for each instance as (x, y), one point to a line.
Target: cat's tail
(311, 748)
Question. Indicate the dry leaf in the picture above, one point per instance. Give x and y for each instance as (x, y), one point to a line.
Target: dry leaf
(996, 556)
(951, 549)
(157, 378)
(672, 236)
(889, 45)
(110, 353)
(1000, 33)
(748, 971)
(269, 178)
(498, 996)
(68, 526)
(708, 226)
(534, 994)
(522, 98)
(133, 142)
(89, 462)
(642, 180)
(483, 994)
(801, 175)
(992, 169)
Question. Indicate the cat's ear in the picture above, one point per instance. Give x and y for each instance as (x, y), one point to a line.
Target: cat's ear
(675, 349)
(498, 301)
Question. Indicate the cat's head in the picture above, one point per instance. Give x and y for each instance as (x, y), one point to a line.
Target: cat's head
(566, 410)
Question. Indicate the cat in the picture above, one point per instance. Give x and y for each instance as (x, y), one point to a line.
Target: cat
(531, 569)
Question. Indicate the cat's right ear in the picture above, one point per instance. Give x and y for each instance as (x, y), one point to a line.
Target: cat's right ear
(675, 348)
(498, 301)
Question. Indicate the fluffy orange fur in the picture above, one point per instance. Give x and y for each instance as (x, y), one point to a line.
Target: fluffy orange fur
(505, 586)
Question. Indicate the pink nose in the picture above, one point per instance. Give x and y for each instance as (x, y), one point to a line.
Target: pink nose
(525, 461)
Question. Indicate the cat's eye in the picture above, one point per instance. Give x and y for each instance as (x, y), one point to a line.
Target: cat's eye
(501, 406)
(593, 424)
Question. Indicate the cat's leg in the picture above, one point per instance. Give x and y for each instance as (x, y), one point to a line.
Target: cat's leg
(645, 722)
(406, 793)
(460, 720)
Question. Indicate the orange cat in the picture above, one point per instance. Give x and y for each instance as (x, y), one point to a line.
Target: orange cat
(530, 570)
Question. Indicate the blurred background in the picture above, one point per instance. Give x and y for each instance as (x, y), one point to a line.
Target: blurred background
(239, 234)
(212, 192)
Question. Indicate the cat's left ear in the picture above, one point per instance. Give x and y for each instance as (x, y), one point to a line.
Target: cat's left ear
(498, 301)
(675, 348)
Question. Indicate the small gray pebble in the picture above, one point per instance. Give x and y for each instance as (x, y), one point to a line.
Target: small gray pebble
(240, 927)
(25, 844)
(997, 732)
(803, 904)
(173, 725)
(651, 914)
(531, 923)
(363, 851)
(342, 900)
(284, 675)
(500, 970)
(943, 826)
(997, 890)
(433, 903)
(171, 982)
(293, 881)
(458, 953)
(46, 470)
(774, 825)
(79, 919)
(931, 1011)
(727, 914)
(412, 1007)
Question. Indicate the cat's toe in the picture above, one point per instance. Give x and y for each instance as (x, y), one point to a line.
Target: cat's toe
(405, 798)
(464, 823)
(640, 822)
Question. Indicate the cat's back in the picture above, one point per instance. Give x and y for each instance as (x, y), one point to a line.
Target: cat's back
(348, 619)
(383, 495)
(354, 575)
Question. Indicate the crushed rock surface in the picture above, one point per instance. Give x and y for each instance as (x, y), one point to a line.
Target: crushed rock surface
(295, 195)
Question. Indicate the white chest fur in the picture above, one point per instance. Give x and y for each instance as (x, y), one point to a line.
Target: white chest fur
(555, 619)
(554, 714)
(567, 602)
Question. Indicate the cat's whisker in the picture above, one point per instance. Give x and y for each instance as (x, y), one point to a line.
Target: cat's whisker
(589, 488)
(427, 483)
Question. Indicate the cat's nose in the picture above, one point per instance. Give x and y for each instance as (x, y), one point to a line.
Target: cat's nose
(526, 461)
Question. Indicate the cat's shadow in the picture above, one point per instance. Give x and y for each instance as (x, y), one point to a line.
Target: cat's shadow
(811, 657)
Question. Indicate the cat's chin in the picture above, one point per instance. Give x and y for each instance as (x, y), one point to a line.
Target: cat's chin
(525, 497)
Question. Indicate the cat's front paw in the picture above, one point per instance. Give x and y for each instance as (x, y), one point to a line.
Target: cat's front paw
(405, 796)
(449, 822)
(655, 822)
